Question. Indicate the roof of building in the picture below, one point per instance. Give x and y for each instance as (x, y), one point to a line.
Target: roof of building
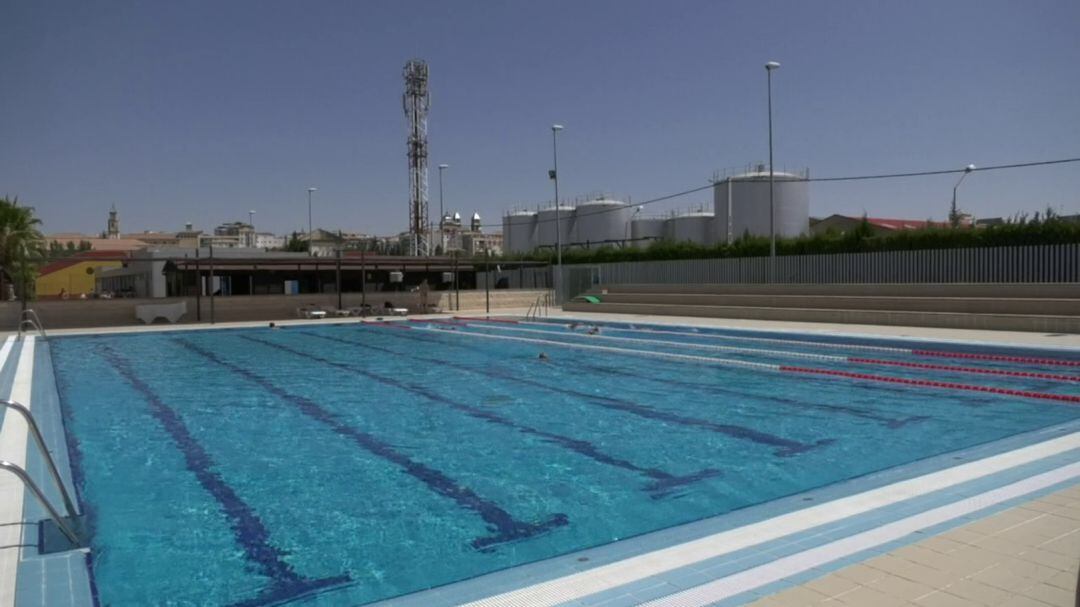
(77, 258)
(98, 243)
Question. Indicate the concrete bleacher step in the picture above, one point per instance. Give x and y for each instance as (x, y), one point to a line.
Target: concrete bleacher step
(1019, 307)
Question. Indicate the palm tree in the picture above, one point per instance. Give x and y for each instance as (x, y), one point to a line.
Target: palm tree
(21, 243)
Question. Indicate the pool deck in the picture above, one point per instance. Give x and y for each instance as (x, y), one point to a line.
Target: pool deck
(1000, 528)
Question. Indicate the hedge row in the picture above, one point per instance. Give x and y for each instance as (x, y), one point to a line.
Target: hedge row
(859, 240)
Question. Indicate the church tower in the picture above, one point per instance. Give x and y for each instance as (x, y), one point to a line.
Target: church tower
(113, 231)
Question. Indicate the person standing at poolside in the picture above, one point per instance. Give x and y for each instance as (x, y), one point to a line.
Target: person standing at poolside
(424, 296)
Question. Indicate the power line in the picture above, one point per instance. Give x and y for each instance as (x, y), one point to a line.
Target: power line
(947, 172)
(822, 179)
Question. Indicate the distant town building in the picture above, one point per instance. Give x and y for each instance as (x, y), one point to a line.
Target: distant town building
(266, 240)
(189, 237)
(112, 230)
(75, 275)
(841, 224)
(154, 239)
(454, 237)
(232, 235)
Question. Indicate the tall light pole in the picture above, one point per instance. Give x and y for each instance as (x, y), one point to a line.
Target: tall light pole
(251, 224)
(769, 67)
(442, 214)
(954, 213)
(555, 128)
(309, 230)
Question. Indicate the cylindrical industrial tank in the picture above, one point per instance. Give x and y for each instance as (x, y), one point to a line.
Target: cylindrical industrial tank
(741, 204)
(545, 226)
(519, 232)
(694, 227)
(601, 222)
(646, 230)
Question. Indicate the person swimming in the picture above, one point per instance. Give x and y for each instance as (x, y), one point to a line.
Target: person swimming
(544, 357)
(594, 331)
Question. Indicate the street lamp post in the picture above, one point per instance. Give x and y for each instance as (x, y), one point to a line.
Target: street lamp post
(251, 224)
(769, 67)
(309, 229)
(954, 213)
(555, 128)
(442, 236)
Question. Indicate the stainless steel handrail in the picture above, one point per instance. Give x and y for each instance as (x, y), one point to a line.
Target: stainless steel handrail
(66, 529)
(69, 504)
(34, 322)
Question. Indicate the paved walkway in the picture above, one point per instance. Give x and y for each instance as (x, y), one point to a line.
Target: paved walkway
(1025, 556)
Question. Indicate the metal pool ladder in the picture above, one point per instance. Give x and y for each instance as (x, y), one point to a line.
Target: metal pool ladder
(30, 318)
(539, 307)
(63, 524)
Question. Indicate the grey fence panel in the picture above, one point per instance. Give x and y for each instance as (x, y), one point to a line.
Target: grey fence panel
(1036, 263)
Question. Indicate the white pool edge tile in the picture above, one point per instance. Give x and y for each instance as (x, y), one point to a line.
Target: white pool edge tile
(627, 571)
(780, 569)
(13, 440)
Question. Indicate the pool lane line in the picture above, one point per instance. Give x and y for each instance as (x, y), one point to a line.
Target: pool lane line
(784, 447)
(785, 368)
(676, 344)
(1066, 398)
(504, 527)
(248, 529)
(976, 370)
(788, 354)
(576, 586)
(825, 344)
(1000, 358)
(663, 482)
(888, 422)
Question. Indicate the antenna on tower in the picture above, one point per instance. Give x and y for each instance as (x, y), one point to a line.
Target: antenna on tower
(417, 101)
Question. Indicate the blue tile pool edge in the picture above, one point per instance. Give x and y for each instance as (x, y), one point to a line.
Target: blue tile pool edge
(32, 575)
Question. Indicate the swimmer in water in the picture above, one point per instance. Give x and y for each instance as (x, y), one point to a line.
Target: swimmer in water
(594, 331)
(273, 326)
(573, 326)
(544, 357)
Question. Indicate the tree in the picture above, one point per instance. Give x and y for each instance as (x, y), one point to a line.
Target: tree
(21, 243)
(295, 245)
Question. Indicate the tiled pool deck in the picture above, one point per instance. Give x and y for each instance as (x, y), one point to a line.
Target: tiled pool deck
(995, 525)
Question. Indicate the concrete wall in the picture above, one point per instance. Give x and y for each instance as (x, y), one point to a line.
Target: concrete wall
(69, 314)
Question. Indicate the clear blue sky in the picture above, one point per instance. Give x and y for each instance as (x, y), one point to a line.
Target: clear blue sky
(198, 111)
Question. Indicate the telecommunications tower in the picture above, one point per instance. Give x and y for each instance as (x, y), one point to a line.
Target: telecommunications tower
(417, 101)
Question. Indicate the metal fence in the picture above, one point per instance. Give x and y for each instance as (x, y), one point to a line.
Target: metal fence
(1027, 264)
(516, 278)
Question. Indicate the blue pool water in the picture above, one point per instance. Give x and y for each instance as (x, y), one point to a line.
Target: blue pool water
(345, 464)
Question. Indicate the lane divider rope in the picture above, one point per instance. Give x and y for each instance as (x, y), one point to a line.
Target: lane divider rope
(788, 354)
(1068, 398)
(1031, 360)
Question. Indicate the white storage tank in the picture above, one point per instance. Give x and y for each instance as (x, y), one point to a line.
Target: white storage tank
(519, 232)
(646, 230)
(695, 227)
(741, 204)
(545, 226)
(601, 222)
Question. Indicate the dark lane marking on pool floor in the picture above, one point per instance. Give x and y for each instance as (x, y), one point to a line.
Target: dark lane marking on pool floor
(250, 532)
(785, 447)
(663, 482)
(504, 527)
(888, 422)
(969, 400)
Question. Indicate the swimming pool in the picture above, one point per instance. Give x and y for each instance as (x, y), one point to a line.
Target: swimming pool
(352, 463)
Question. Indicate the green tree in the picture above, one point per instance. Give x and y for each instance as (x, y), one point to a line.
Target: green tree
(295, 244)
(21, 244)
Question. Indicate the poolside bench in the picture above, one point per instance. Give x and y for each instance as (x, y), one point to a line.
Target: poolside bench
(148, 313)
